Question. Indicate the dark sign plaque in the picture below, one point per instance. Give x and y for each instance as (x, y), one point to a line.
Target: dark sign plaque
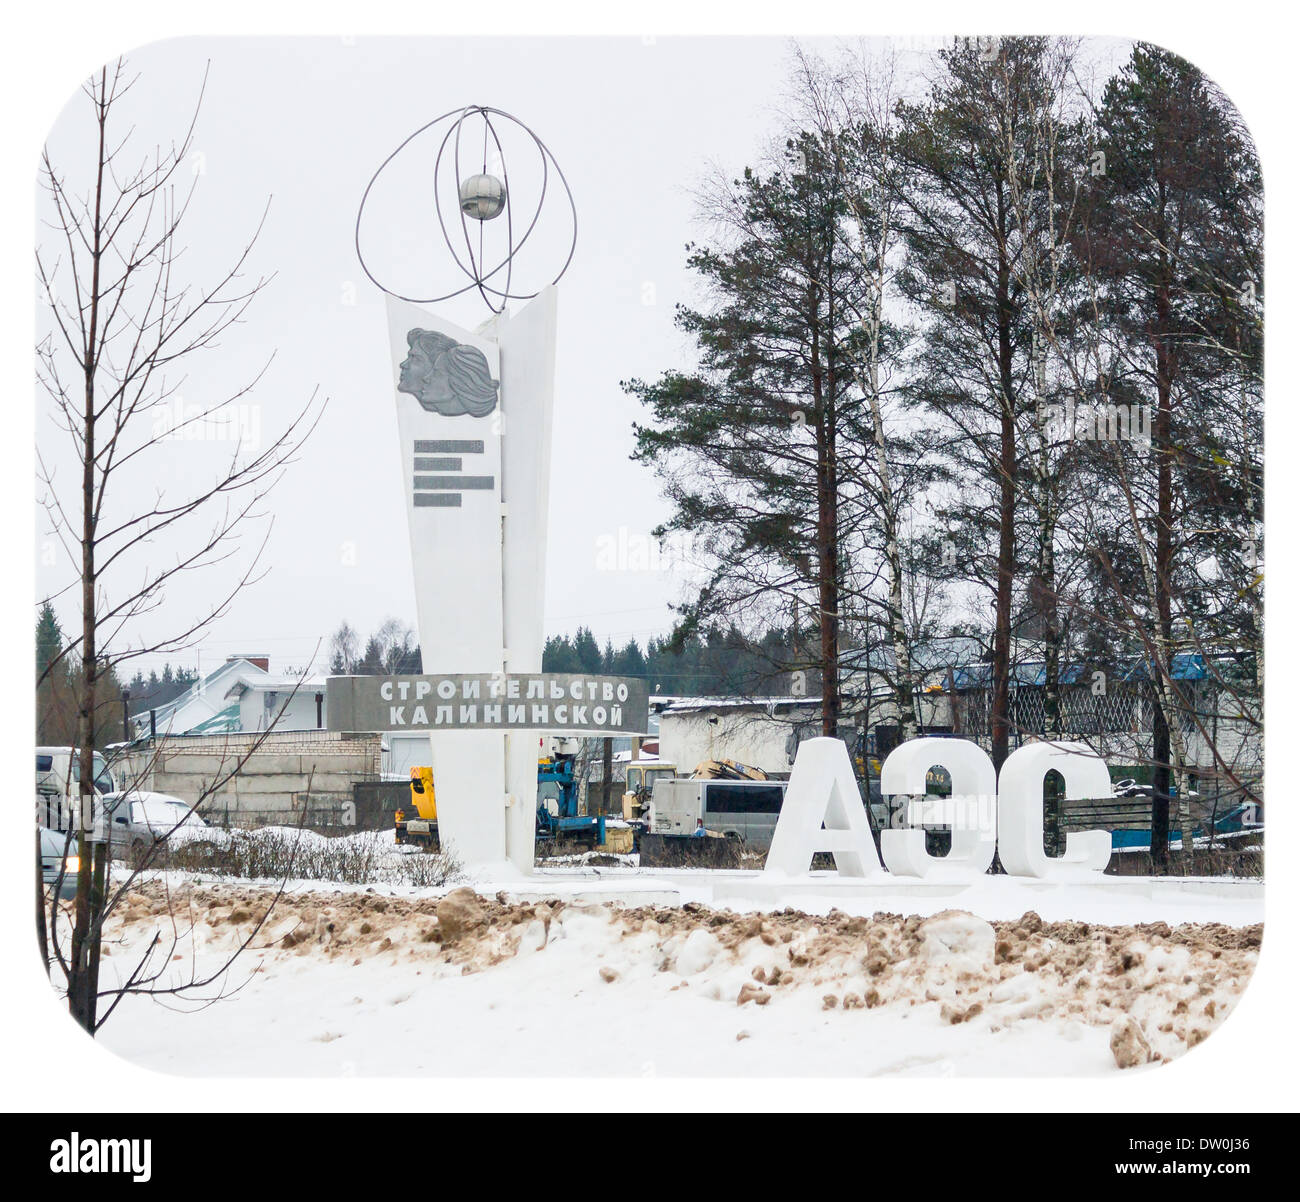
(501, 701)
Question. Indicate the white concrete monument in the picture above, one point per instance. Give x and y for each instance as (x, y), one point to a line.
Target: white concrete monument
(971, 810)
(823, 812)
(474, 425)
(1020, 811)
(476, 504)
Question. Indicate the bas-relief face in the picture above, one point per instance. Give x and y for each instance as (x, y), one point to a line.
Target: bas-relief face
(415, 364)
(427, 380)
(447, 377)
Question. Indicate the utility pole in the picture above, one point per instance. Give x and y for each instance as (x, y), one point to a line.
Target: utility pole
(606, 772)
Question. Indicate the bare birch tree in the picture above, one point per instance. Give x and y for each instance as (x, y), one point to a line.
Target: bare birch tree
(122, 329)
(852, 107)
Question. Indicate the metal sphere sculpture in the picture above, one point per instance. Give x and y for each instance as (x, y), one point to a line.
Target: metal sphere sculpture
(483, 197)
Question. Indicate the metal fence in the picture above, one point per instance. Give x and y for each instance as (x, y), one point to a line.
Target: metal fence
(1119, 709)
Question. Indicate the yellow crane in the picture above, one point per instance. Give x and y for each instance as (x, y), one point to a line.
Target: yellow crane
(424, 828)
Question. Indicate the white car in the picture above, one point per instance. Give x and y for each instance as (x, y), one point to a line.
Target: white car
(59, 862)
(141, 819)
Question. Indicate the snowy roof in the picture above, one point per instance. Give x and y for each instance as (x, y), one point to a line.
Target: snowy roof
(284, 682)
(683, 705)
(225, 681)
(625, 757)
(232, 668)
(1186, 666)
(1034, 672)
(944, 652)
(224, 722)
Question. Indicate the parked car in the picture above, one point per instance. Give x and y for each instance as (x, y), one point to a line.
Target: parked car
(1128, 787)
(141, 819)
(59, 862)
(739, 809)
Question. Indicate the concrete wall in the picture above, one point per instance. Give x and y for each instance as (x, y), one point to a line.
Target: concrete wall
(271, 785)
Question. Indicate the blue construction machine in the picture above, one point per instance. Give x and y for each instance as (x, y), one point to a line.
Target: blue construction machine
(557, 804)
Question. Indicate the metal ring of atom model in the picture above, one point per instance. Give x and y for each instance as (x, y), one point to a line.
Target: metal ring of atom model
(483, 198)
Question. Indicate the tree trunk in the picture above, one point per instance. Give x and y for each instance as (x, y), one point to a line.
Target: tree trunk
(999, 716)
(42, 937)
(1168, 748)
(895, 617)
(1047, 602)
(889, 520)
(903, 693)
(606, 774)
(83, 963)
(827, 538)
(1160, 787)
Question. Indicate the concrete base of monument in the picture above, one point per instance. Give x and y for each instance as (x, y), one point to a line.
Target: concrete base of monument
(1104, 899)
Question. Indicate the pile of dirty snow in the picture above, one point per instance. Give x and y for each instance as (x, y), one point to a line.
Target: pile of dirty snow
(362, 982)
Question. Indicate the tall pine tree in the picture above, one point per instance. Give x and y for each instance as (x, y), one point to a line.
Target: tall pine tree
(748, 446)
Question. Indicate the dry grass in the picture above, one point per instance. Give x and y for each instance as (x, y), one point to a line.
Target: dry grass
(1235, 861)
(275, 854)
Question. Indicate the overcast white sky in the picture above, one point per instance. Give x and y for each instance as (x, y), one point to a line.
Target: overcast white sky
(634, 123)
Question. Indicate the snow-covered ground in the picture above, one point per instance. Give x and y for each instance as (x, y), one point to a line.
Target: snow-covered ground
(628, 972)
(1112, 899)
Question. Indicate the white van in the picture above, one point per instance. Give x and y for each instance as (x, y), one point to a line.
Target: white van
(739, 809)
(58, 780)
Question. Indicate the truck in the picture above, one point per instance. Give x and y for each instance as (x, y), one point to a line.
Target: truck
(644, 776)
(420, 828)
(58, 785)
(557, 806)
(639, 787)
